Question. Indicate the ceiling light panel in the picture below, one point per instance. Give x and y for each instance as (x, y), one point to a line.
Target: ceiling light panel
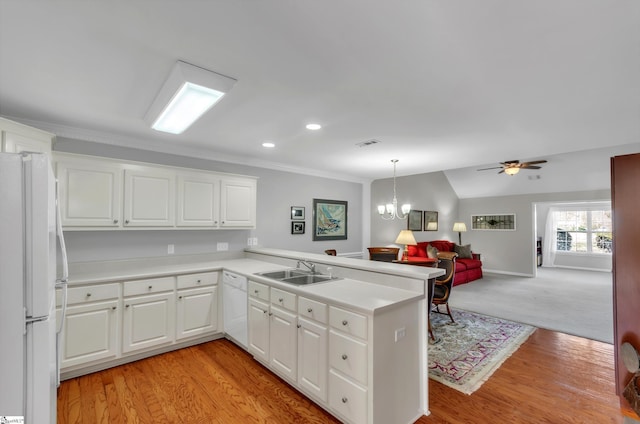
(187, 94)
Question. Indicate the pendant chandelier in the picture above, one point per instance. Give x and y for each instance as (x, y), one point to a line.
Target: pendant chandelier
(390, 210)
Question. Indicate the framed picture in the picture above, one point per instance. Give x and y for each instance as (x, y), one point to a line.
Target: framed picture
(297, 227)
(329, 220)
(414, 221)
(430, 221)
(495, 222)
(297, 212)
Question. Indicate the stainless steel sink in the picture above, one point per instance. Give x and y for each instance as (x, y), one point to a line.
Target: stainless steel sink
(297, 276)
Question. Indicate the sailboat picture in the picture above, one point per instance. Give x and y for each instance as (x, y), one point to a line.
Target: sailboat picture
(330, 220)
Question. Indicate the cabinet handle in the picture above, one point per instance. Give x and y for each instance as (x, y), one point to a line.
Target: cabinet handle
(150, 287)
(299, 326)
(345, 322)
(270, 313)
(215, 222)
(345, 400)
(126, 306)
(264, 312)
(179, 297)
(88, 294)
(115, 221)
(199, 281)
(310, 310)
(281, 300)
(114, 308)
(344, 357)
(256, 291)
(126, 221)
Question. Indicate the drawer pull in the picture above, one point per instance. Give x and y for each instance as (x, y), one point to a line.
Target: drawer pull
(88, 294)
(281, 300)
(344, 357)
(256, 291)
(150, 287)
(345, 322)
(270, 313)
(115, 221)
(345, 400)
(126, 221)
(114, 308)
(126, 306)
(310, 310)
(199, 281)
(179, 297)
(264, 312)
(299, 326)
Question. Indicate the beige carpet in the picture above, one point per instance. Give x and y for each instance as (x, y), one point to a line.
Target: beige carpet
(569, 301)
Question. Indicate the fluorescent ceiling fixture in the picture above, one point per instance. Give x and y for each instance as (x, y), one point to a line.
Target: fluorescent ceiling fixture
(268, 144)
(314, 127)
(186, 95)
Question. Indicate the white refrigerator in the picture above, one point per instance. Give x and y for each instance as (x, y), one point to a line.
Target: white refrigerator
(30, 234)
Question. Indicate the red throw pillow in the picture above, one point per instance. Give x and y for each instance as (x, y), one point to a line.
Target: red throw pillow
(412, 250)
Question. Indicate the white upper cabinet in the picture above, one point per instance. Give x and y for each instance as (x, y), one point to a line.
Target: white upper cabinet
(98, 193)
(90, 194)
(16, 138)
(149, 198)
(198, 200)
(238, 203)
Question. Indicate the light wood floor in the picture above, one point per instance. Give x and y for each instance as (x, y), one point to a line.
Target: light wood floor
(552, 378)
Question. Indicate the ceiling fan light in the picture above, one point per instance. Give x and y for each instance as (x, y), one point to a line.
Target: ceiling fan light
(511, 170)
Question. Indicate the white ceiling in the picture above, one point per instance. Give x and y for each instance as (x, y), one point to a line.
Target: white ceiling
(441, 84)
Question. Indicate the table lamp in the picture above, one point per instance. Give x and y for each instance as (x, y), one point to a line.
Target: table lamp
(460, 227)
(406, 237)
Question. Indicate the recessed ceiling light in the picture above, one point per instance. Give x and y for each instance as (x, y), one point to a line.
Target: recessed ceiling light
(314, 127)
(268, 144)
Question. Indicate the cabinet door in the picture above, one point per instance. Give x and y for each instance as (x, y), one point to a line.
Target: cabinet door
(90, 194)
(197, 312)
(16, 138)
(90, 333)
(149, 197)
(283, 345)
(198, 200)
(258, 318)
(148, 321)
(312, 358)
(238, 203)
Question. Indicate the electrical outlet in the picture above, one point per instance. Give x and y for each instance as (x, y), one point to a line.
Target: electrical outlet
(171, 249)
(249, 241)
(223, 247)
(400, 333)
(255, 241)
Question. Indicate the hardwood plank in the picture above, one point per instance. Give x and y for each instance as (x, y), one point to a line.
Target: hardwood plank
(553, 378)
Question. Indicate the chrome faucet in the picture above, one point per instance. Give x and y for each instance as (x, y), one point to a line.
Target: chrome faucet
(309, 265)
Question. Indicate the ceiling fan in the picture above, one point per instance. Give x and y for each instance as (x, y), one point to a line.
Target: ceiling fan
(512, 167)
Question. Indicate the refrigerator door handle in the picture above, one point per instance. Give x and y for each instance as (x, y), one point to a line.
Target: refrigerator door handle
(62, 282)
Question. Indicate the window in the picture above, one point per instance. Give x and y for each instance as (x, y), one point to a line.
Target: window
(583, 231)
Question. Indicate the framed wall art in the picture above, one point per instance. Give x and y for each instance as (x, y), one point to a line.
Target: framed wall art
(329, 220)
(496, 222)
(414, 221)
(430, 221)
(297, 212)
(297, 227)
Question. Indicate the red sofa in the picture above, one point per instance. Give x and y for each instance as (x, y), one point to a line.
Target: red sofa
(467, 269)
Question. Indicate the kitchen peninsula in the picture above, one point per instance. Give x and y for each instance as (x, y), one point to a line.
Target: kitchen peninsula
(356, 344)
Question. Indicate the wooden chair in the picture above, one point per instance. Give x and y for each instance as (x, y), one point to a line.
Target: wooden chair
(383, 254)
(331, 252)
(444, 283)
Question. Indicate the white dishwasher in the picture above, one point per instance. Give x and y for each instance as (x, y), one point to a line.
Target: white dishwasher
(234, 297)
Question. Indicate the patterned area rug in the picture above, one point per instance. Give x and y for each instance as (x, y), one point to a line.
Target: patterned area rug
(467, 352)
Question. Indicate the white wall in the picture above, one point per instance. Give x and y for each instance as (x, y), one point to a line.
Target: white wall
(426, 192)
(277, 192)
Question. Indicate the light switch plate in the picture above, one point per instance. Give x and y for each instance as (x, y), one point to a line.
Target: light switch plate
(171, 249)
(223, 247)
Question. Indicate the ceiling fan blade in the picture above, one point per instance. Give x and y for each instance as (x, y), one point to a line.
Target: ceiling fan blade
(485, 169)
(530, 167)
(535, 162)
(501, 172)
(510, 162)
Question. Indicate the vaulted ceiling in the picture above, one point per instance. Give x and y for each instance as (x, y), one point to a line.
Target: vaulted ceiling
(441, 85)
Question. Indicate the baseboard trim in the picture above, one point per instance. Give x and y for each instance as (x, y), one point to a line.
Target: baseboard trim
(497, 271)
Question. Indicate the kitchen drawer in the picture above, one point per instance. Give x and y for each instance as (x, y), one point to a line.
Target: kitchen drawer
(348, 322)
(197, 280)
(261, 291)
(93, 293)
(313, 309)
(152, 285)
(348, 355)
(283, 299)
(347, 398)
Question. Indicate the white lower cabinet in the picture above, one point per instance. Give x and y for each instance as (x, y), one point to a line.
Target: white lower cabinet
(258, 321)
(283, 334)
(92, 324)
(197, 305)
(312, 348)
